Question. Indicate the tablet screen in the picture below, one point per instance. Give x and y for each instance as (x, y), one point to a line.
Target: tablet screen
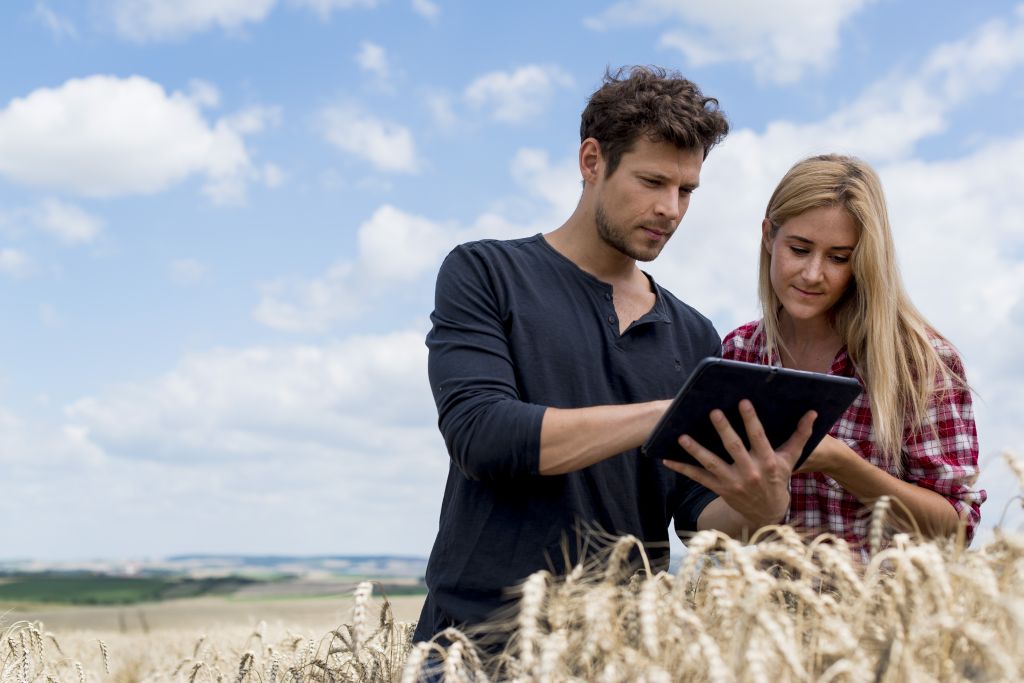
(780, 396)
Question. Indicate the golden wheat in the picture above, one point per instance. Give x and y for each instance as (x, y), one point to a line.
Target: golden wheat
(775, 609)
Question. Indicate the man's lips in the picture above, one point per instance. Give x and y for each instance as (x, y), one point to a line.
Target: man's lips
(656, 234)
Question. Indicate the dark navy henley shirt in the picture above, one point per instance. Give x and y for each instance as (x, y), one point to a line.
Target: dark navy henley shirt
(517, 327)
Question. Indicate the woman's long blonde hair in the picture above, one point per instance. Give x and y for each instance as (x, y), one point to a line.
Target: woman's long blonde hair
(886, 337)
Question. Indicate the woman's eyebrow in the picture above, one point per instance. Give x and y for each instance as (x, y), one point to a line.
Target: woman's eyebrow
(805, 240)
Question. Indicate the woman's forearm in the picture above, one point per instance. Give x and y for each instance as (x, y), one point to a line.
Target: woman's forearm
(933, 513)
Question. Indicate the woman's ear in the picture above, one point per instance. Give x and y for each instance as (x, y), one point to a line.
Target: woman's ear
(766, 235)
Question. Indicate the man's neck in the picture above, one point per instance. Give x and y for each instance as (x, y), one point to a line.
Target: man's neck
(578, 241)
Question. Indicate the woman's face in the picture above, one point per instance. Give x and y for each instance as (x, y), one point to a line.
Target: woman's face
(811, 260)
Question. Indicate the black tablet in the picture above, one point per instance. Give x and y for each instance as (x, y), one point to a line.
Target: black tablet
(780, 396)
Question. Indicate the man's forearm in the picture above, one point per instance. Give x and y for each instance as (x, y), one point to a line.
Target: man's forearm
(571, 439)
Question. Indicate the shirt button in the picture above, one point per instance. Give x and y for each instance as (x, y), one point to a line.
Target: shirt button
(611, 319)
(607, 296)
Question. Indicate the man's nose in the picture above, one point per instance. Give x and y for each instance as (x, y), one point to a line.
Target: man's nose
(669, 205)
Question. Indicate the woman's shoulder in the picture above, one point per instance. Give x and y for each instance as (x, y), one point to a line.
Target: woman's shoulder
(744, 343)
(946, 352)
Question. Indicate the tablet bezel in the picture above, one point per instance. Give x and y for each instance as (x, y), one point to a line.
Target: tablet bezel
(781, 396)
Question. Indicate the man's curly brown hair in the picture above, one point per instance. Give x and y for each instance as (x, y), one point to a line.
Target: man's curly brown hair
(650, 101)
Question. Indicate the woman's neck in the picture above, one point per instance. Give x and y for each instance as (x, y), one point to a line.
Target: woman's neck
(808, 344)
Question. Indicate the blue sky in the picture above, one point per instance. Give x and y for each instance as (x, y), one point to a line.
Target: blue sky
(220, 224)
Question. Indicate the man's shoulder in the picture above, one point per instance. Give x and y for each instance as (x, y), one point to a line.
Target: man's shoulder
(684, 310)
(496, 247)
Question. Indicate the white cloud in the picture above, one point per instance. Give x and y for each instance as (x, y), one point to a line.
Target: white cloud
(427, 9)
(187, 271)
(373, 59)
(145, 20)
(395, 248)
(26, 444)
(559, 185)
(781, 40)
(399, 252)
(254, 119)
(68, 223)
(203, 93)
(343, 431)
(441, 109)
(324, 8)
(14, 262)
(517, 96)
(387, 146)
(58, 25)
(258, 402)
(105, 136)
(273, 176)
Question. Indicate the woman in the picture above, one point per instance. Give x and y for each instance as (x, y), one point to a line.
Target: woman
(833, 301)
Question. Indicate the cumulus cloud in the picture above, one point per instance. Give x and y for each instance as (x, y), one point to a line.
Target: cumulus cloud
(70, 224)
(342, 431)
(257, 402)
(373, 58)
(519, 95)
(146, 20)
(441, 108)
(324, 8)
(558, 185)
(60, 27)
(395, 248)
(426, 8)
(387, 146)
(14, 262)
(104, 136)
(781, 40)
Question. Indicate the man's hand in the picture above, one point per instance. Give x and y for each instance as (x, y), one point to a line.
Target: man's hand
(756, 485)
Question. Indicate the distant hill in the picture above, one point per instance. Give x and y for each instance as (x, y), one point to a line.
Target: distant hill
(262, 566)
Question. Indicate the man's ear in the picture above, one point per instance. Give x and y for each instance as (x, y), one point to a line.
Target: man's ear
(591, 161)
(766, 235)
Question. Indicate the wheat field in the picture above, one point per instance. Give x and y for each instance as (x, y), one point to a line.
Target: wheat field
(776, 608)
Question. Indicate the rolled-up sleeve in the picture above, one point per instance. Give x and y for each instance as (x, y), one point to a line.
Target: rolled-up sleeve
(491, 434)
(942, 454)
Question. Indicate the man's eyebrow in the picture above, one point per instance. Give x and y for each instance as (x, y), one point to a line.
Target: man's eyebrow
(661, 177)
(805, 240)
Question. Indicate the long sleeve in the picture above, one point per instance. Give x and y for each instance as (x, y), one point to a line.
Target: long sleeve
(491, 434)
(942, 454)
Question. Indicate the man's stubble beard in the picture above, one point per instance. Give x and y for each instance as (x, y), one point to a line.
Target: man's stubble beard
(615, 237)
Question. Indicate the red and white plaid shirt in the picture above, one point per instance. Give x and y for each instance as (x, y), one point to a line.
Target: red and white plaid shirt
(947, 465)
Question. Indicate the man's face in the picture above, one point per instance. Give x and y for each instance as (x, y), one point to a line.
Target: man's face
(640, 205)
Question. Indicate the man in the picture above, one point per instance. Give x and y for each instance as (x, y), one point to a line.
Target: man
(552, 357)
